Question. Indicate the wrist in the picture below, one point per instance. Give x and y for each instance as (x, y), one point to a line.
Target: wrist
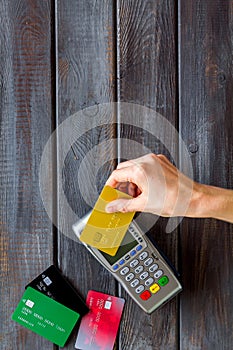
(201, 204)
(211, 202)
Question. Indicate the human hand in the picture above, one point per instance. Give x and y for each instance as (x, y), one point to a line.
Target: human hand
(156, 185)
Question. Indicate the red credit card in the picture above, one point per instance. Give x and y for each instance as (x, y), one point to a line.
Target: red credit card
(98, 328)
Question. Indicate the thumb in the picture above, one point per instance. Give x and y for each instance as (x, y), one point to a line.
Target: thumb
(123, 205)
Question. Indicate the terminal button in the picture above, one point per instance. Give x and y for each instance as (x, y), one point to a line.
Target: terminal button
(115, 267)
(148, 262)
(134, 263)
(145, 295)
(149, 281)
(134, 283)
(131, 229)
(143, 255)
(139, 289)
(144, 275)
(154, 288)
(139, 269)
(158, 273)
(124, 271)
(153, 267)
(163, 281)
(129, 277)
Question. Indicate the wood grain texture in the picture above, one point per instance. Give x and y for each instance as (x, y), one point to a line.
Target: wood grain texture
(206, 125)
(86, 77)
(147, 76)
(25, 125)
(123, 50)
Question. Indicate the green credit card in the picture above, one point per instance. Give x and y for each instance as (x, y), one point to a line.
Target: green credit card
(45, 316)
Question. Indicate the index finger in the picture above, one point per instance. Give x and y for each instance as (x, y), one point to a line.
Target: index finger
(120, 175)
(132, 174)
(125, 164)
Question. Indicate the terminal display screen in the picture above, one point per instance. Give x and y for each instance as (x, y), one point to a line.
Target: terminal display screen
(127, 244)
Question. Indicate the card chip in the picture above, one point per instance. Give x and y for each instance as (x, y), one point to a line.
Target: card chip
(47, 281)
(98, 237)
(29, 303)
(108, 305)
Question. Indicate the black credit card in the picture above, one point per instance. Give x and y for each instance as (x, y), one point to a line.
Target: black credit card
(54, 285)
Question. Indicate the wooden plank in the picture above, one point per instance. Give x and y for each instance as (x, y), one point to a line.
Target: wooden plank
(206, 125)
(86, 77)
(25, 125)
(147, 76)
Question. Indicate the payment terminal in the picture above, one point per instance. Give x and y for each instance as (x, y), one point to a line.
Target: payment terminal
(139, 267)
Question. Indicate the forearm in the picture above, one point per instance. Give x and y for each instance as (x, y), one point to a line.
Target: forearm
(212, 202)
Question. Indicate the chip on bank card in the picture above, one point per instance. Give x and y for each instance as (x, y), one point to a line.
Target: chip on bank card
(105, 231)
(98, 328)
(45, 316)
(54, 285)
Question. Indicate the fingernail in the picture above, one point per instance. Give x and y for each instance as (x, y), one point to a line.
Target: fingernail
(109, 208)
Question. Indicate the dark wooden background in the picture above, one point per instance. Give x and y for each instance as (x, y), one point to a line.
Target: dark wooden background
(61, 56)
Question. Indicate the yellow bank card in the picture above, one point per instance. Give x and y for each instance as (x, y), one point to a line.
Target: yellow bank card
(105, 231)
